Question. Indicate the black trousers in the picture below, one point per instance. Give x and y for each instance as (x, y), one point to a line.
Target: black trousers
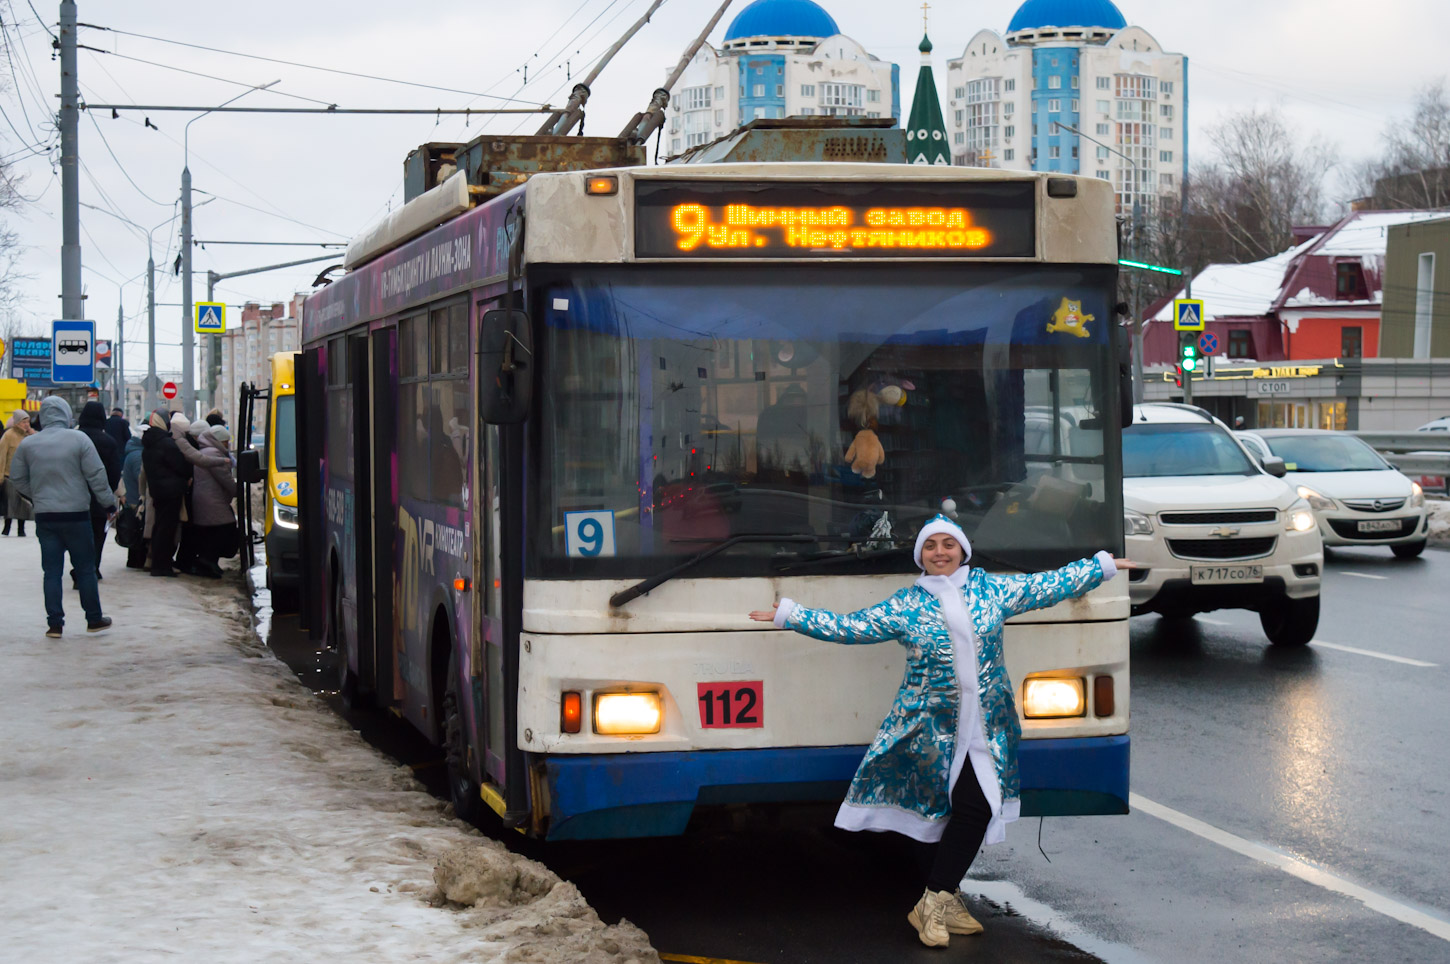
(98, 532)
(963, 835)
(163, 532)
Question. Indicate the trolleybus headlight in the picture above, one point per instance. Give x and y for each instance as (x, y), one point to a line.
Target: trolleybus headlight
(622, 714)
(1321, 502)
(1045, 699)
(284, 515)
(1417, 495)
(1136, 524)
(1299, 518)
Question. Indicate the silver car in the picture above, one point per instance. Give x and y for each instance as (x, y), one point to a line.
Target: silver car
(1358, 497)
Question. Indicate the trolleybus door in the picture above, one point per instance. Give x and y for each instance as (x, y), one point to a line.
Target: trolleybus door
(360, 397)
(383, 510)
(310, 412)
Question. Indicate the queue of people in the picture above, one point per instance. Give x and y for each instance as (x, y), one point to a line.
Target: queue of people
(173, 485)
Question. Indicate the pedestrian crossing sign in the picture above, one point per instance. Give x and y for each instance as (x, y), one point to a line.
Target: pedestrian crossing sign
(1187, 315)
(211, 318)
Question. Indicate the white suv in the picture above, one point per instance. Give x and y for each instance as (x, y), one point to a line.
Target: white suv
(1213, 529)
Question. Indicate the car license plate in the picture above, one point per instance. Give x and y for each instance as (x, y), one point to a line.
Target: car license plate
(731, 705)
(1201, 575)
(1380, 525)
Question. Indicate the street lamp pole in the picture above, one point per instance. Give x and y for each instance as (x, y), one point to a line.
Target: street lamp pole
(188, 341)
(1137, 226)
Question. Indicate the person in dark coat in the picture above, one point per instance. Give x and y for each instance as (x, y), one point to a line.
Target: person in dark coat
(119, 429)
(93, 424)
(168, 476)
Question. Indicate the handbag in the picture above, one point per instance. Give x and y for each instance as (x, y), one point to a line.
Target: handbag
(128, 527)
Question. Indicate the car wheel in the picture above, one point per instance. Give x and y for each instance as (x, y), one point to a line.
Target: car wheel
(462, 788)
(1290, 622)
(1408, 550)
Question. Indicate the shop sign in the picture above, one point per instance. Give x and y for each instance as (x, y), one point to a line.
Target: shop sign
(1273, 388)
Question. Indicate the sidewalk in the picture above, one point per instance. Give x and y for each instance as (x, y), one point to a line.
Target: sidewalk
(169, 791)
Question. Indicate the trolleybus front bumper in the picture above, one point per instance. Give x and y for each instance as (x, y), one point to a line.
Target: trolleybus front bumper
(599, 796)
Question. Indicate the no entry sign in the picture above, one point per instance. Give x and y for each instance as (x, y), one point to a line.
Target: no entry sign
(168, 391)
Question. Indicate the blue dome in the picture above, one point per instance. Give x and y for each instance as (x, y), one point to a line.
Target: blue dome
(782, 18)
(1066, 13)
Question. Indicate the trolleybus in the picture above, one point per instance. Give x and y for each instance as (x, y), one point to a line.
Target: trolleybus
(556, 447)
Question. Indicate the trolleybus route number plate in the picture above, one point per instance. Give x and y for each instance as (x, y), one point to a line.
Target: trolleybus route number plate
(732, 705)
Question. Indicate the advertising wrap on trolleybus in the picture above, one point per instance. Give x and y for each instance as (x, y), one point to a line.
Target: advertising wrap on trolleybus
(558, 447)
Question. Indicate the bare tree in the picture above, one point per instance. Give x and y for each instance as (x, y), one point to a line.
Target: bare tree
(1414, 171)
(1267, 179)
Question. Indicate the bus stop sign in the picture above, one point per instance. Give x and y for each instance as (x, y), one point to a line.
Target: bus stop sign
(73, 352)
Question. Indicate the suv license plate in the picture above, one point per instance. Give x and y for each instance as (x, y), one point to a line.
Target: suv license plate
(1201, 575)
(1380, 525)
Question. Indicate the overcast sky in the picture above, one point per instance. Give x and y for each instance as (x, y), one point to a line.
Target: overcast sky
(1338, 69)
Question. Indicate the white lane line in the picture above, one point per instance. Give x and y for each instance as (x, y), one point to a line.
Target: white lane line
(1211, 622)
(1369, 652)
(1295, 867)
(1361, 575)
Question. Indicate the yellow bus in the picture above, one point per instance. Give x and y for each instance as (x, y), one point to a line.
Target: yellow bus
(272, 461)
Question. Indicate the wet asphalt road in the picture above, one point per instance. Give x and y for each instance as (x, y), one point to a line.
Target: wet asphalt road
(1334, 759)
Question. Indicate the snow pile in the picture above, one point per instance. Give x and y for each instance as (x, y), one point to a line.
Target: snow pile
(170, 791)
(1439, 522)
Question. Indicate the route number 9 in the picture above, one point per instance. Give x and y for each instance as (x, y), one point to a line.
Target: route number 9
(589, 535)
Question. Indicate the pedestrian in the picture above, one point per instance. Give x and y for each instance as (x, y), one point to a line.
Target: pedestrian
(215, 418)
(59, 471)
(168, 477)
(133, 501)
(119, 430)
(93, 424)
(1238, 423)
(213, 524)
(188, 431)
(954, 714)
(11, 504)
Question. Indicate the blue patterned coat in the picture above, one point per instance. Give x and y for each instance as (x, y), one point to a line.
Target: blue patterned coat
(908, 766)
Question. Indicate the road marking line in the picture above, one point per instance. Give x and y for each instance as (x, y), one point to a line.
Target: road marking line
(1295, 867)
(1369, 652)
(1362, 575)
(1211, 622)
(690, 959)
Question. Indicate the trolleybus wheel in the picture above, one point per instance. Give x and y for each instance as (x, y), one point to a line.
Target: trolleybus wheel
(1290, 622)
(345, 678)
(462, 788)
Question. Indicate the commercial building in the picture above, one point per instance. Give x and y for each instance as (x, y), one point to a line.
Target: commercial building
(1072, 87)
(247, 349)
(779, 58)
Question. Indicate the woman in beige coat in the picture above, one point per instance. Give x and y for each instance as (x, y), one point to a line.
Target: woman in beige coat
(11, 505)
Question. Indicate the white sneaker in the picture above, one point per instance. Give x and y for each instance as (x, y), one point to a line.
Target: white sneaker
(929, 917)
(957, 918)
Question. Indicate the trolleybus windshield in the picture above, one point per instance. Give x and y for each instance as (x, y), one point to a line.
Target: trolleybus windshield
(685, 405)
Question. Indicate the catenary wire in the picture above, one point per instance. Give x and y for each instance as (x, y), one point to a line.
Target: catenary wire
(197, 73)
(128, 177)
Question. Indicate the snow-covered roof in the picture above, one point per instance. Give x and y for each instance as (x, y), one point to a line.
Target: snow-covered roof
(1368, 233)
(1238, 290)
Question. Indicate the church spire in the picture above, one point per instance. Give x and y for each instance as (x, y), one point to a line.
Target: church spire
(926, 129)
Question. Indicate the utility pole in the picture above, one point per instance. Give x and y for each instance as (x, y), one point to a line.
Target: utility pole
(118, 376)
(150, 391)
(71, 299)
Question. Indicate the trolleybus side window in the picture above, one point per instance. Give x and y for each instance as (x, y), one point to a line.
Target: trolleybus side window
(413, 407)
(448, 402)
(339, 411)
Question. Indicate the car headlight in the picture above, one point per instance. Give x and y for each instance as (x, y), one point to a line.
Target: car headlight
(1136, 524)
(624, 714)
(1299, 517)
(1045, 699)
(1417, 495)
(284, 515)
(1321, 502)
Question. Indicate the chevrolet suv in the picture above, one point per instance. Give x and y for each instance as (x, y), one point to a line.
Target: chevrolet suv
(1213, 528)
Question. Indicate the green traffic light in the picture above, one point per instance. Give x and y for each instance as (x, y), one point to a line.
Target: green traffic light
(1188, 357)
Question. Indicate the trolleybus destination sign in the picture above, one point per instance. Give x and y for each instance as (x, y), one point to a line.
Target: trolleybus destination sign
(677, 219)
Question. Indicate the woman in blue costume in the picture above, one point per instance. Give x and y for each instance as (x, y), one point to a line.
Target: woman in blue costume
(954, 711)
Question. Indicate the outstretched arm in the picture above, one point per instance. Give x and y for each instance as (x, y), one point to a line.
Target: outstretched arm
(876, 624)
(1040, 590)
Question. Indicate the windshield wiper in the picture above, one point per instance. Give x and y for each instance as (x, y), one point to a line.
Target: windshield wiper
(640, 588)
(837, 558)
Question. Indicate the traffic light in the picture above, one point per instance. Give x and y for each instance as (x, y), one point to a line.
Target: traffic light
(1188, 358)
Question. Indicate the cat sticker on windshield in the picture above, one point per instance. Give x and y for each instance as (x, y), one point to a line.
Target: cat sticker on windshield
(1069, 317)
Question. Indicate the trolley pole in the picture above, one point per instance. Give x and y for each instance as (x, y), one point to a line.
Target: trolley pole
(72, 305)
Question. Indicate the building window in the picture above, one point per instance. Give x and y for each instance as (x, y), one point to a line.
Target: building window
(1008, 109)
(1075, 107)
(1166, 180)
(674, 145)
(1165, 133)
(873, 96)
(1102, 153)
(1074, 150)
(1104, 129)
(780, 90)
(1166, 86)
(1104, 83)
(1349, 281)
(1239, 343)
(1054, 106)
(808, 111)
(1009, 132)
(1102, 175)
(1105, 107)
(877, 113)
(1165, 111)
(1009, 155)
(1135, 86)
(1074, 82)
(959, 117)
(1054, 151)
(696, 98)
(1351, 342)
(842, 95)
(1054, 82)
(759, 113)
(758, 90)
(719, 118)
(1009, 85)
(719, 93)
(959, 92)
(960, 138)
(808, 90)
(1054, 61)
(1166, 157)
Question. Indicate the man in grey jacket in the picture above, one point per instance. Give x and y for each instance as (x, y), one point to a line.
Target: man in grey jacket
(59, 471)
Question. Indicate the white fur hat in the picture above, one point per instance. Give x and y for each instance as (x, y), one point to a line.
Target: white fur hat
(941, 525)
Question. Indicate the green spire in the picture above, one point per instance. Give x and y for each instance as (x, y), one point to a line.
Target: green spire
(926, 129)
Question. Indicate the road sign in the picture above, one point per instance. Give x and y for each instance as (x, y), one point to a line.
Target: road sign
(1187, 315)
(211, 318)
(73, 352)
(1208, 343)
(168, 391)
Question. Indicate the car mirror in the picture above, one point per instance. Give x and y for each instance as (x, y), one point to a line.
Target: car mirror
(505, 367)
(249, 467)
(1275, 466)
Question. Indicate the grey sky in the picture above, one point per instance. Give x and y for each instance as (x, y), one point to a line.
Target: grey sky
(1338, 69)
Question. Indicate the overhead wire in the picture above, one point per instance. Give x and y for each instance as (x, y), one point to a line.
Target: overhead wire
(45, 26)
(269, 213)
(11, 55)
(122, 167)
(197, 73)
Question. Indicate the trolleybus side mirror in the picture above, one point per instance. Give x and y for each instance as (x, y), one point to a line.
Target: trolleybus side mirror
(249, 467)
(1275, 466)
(505, 366)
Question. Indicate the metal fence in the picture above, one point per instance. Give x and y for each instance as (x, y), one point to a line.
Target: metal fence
(1413, 453)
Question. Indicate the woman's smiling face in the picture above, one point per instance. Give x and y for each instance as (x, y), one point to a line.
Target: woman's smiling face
(941, 555)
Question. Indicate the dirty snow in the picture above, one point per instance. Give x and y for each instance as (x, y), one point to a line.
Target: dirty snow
(1439, 522)
(1368, 234)
(171, 792)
